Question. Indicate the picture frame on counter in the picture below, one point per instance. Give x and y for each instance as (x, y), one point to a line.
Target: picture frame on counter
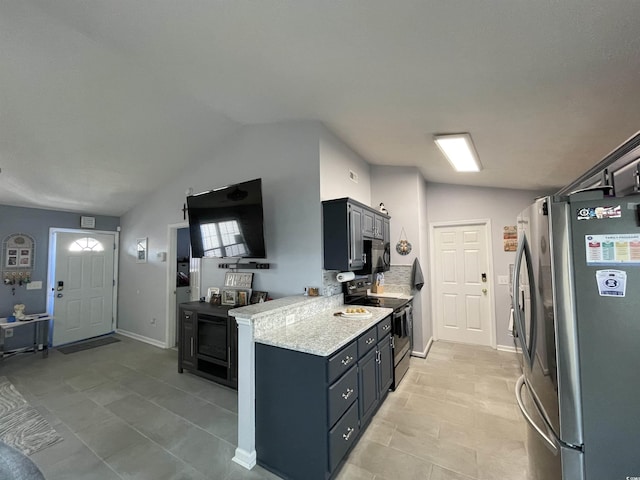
(243, 297)
(229, 297)
(258, 297)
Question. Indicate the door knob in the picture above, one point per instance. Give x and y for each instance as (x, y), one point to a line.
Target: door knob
(60, 295)
(484, 290)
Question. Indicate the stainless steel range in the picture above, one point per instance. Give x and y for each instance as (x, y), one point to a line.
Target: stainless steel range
(355, 293)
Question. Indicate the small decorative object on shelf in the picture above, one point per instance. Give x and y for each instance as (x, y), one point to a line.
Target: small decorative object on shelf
(383, 209)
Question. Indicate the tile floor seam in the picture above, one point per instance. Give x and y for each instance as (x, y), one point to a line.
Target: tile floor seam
(177, 415)
(178, 388)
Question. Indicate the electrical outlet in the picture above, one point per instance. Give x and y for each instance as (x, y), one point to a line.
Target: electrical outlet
(8, 333)
(353, 176)
(503, 280)
(34, 285)
(291, 318)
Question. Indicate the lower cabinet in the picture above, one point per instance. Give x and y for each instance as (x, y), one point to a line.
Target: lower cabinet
(310, 410)
(207, 342)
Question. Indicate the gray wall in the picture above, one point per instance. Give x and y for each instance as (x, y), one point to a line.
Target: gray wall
(336, 160)
(402, 190)
(286, 157)
(36, 223)
(447, 203)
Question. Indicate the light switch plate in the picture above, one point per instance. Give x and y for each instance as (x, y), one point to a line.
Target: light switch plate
(503, 280)
(34, 285)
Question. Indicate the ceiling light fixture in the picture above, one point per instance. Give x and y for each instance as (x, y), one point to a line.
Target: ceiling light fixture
(459, 150)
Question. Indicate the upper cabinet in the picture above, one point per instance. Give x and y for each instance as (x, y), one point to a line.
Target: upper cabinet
(346, 225)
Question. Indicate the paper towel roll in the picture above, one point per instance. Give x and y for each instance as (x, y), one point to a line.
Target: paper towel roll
(345, 276)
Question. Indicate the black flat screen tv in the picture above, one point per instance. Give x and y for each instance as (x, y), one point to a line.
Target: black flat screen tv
(227, 222)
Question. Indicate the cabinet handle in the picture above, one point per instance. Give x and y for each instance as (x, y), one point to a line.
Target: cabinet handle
(370, 340)
(192, 346)
(347, 435)
(386, 327)
(378, 356)
(347, 360)
(348, 393)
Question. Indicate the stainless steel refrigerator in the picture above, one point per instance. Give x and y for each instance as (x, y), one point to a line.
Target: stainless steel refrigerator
(576, 299)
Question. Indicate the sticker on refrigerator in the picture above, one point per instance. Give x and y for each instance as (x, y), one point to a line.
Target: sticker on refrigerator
(613, 249)
(611, 283)
(598, 213)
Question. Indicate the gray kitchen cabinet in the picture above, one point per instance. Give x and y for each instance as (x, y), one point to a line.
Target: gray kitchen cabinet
(368, 385)
(342, 235)
(386, 230)
(368, 223)
(346, 224)
(310, 409)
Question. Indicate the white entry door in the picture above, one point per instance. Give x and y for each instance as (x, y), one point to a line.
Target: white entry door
(461, 284)
(83, 286)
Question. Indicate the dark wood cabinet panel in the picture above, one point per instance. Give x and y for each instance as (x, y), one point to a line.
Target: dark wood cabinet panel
(217, 360)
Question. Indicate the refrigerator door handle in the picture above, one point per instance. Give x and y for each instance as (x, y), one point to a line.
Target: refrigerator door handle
(524, 252)
(546, 438)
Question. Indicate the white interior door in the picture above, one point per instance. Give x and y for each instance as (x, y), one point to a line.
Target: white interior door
(83, 286)
(461, 283)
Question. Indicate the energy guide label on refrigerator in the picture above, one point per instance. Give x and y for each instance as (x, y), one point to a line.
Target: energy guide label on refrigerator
(613, 249)
(611, 283)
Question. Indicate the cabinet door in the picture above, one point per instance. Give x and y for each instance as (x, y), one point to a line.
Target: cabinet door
(186, 345)
(356, 249)
(368, 385)
(386, 230)
(385, 365)
(378, 227)
(368, 223)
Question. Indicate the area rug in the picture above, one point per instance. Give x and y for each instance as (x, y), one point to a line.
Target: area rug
(21, 425)
(80, 346)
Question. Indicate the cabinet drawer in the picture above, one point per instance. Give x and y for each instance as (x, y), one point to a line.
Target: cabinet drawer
(367, 341)
(342, 436)
(384, 327)
(342, 394)
(342, 361)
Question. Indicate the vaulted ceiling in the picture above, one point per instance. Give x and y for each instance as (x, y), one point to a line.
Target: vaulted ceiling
(103, 102)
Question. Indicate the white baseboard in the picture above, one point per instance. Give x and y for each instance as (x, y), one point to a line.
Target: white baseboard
(508, 348)
(142, 338)
(425, 352)
(244, 458)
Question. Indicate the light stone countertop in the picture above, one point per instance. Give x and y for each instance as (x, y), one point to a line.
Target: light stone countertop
(322, 334)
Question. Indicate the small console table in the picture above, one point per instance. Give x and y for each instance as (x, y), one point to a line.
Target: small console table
(38, 341)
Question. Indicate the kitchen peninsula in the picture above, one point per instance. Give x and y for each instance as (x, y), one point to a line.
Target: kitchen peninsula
(301, 331)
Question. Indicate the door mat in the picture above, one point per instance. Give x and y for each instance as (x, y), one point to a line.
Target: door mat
(21, 426)
(78, 347)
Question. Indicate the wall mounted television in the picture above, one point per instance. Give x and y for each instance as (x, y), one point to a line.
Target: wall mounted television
(227, 221)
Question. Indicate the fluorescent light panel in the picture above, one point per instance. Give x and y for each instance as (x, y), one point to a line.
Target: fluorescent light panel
(459, 150)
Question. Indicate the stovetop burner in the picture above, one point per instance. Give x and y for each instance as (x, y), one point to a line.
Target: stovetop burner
(356, 294)
(386, 302)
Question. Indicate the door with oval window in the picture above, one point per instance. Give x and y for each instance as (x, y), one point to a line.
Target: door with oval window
(82, 285)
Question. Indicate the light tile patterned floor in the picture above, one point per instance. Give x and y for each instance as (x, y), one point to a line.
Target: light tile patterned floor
(454, 417)
(126, 413)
